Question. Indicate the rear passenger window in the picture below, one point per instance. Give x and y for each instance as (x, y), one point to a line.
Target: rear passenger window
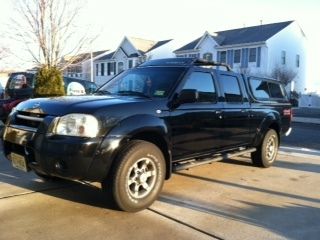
(260, 89)
(275, 90)
(203, 83)
(263, 89)
(231, 88)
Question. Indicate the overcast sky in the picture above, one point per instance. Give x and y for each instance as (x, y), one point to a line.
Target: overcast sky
(186, 20)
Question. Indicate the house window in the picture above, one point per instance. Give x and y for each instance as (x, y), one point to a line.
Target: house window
(97, 69)
(297, 60)
(252, 54)
(237, 56)
(182, 55)
(130, 64)
(193, 55)
(223, 56)
(283, 57)
(102, 69)
(111, 68)
(120, 67)
(208, 56)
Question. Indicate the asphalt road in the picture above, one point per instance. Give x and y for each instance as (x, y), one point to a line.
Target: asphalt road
(224, 200)
(303, 135)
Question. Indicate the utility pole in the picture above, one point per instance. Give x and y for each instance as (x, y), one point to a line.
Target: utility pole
(91, 66)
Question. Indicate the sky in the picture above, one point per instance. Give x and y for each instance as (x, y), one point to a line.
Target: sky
(185, 20)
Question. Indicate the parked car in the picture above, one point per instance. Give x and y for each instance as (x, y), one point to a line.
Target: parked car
(14, 85)
(20, 86)
(162, 116)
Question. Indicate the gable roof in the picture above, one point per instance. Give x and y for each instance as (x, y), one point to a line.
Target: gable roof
(83, 57)
(142, 45)
(159, 44)
(189, 46)
(106, 57)
(259, 33)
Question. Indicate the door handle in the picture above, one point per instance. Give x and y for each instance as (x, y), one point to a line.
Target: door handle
(219, 113)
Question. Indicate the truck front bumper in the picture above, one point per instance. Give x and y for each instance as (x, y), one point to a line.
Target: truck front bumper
(62, 156)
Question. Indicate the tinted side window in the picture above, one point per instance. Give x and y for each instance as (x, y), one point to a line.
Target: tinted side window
(275, 90)
(260, 89)
(203, 83)
(231, 88)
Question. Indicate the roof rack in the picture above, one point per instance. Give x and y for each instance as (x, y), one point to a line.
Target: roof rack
(203, 62)
(183, 62)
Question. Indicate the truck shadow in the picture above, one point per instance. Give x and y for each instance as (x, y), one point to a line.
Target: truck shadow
(293, 221)
(279, 163)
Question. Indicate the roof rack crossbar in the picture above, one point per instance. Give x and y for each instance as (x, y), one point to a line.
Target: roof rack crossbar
(200, 62)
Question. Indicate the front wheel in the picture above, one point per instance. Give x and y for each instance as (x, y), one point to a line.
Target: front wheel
(137, 178)
(267, 152)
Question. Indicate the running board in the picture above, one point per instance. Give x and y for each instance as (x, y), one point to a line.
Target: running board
(195, 163)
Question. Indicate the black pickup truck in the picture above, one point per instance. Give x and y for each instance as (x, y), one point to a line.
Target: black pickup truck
(162, 116)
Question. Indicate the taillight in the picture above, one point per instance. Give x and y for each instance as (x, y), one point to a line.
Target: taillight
(287, 112)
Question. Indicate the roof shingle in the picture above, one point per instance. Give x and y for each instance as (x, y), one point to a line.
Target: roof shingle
(259, 33)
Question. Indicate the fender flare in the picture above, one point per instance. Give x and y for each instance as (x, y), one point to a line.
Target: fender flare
(134, 126)
(271, 119)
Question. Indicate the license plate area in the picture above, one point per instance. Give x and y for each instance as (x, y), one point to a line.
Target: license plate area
(19, 162)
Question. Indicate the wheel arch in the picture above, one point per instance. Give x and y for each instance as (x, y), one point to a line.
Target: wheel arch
(143, 127)
(271, 121)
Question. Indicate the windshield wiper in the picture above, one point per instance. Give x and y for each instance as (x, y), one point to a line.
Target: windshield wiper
(133, 93)
(103, 92)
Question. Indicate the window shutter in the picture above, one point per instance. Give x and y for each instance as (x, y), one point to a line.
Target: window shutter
(244, 57)
(259, 57)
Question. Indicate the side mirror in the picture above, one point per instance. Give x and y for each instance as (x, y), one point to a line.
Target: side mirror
(187, 96)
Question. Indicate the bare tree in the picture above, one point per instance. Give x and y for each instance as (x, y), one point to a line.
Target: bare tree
(4, 52)
(283, 74)
(46, 27)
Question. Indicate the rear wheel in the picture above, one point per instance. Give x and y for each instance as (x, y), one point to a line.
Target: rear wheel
(138, 176)
(267, 152)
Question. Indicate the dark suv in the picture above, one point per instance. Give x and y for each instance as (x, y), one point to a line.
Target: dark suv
(20, 86)
(13, 87)
(163, 116)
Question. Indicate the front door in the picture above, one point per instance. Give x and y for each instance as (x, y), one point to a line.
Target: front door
(196, 127)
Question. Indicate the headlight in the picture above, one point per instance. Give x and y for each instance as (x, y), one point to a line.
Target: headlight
(80, 125)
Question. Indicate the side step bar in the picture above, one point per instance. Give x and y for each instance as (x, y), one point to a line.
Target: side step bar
(195, 163)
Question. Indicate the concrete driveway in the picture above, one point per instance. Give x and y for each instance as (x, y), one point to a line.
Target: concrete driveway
(224, 200)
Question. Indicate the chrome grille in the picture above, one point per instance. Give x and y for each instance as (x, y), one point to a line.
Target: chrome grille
(28, 119)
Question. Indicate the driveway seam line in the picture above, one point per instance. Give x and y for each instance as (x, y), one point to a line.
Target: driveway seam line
(185, 224)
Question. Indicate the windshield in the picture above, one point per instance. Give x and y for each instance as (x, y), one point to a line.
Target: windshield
(144, 82)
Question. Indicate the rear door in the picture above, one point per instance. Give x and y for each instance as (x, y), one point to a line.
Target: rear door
(236, 110)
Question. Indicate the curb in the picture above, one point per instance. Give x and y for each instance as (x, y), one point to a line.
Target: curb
(299, 152)
(306, 120)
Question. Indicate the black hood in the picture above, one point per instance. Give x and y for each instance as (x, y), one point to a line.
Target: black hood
(72, 104)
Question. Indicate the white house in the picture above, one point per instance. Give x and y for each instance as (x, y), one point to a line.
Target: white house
(131, 52)
(79, 66)
(256, 50)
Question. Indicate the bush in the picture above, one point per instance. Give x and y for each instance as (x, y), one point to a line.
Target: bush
(49, 83)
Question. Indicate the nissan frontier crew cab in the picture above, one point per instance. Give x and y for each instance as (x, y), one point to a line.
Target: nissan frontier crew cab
(162, 116)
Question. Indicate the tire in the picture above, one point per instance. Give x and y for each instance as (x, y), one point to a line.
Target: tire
(267, 152)
(137, 177)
